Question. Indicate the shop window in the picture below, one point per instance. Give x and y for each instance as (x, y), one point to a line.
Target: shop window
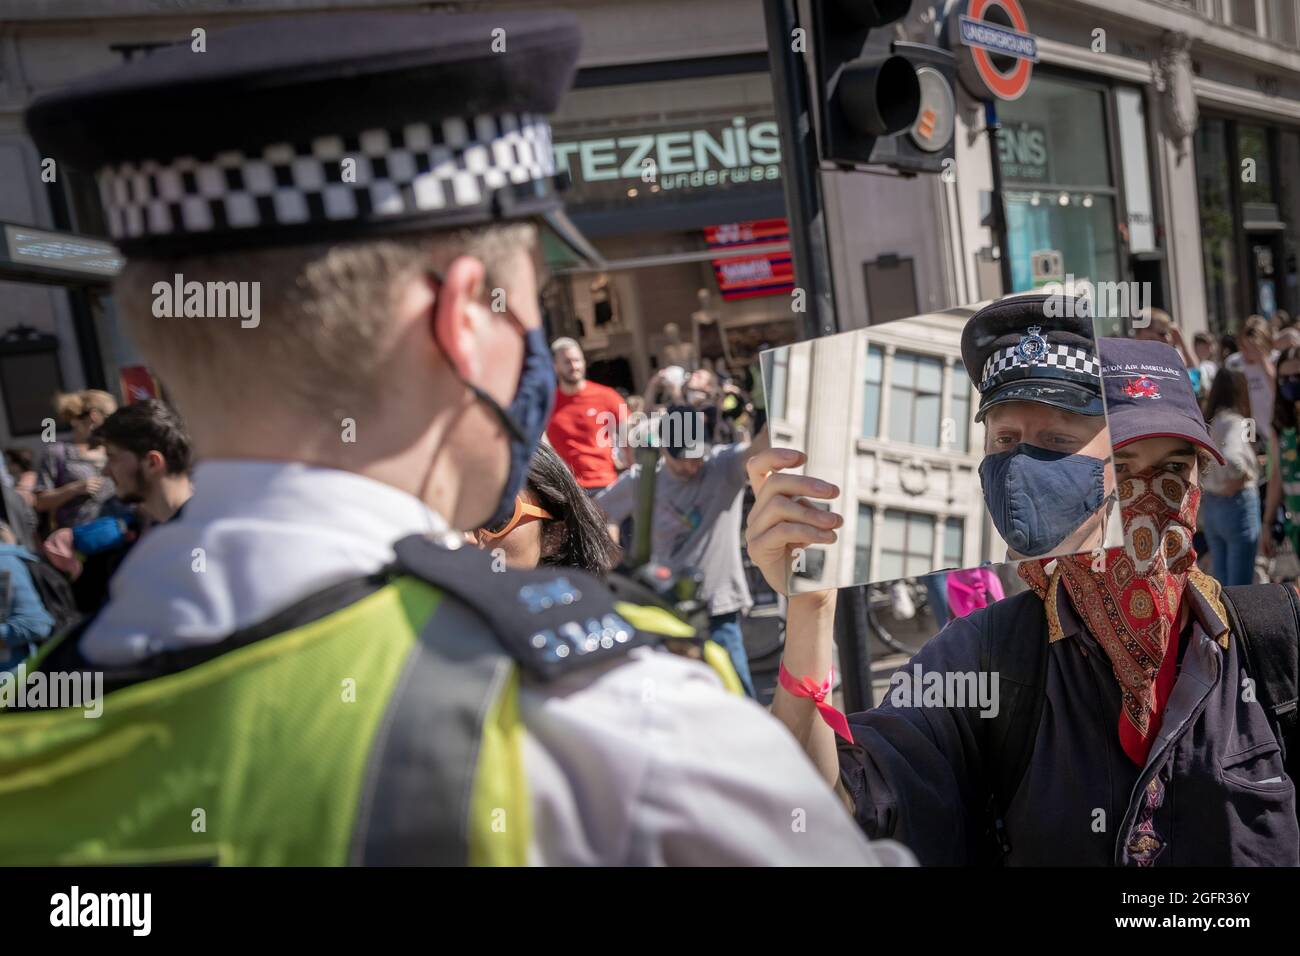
(1218, 245)
(906, 545)
(959, 410)
(871, 392)
(862, 544)
(916, 389)
(1256, 179)
(953, 539)
(1058, 184)
(1078, 225)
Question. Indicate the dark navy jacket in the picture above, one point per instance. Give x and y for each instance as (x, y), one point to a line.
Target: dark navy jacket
(1213, 791)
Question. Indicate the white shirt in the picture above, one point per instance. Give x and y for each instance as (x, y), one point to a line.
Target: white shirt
(645, 761)
(1228, 431)
(1262, 392)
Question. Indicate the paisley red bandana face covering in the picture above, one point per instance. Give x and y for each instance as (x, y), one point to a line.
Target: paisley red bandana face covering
(1131, 607)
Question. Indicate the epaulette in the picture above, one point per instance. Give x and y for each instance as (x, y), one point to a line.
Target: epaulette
(552, 621)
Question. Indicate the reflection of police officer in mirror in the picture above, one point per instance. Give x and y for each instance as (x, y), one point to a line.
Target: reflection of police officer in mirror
(1045, 439)
(326, 695)
(1126, 710)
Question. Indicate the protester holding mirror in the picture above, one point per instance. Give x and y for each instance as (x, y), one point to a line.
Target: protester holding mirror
(1095, 719)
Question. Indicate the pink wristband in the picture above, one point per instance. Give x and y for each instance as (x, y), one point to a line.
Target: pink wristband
(805, 687)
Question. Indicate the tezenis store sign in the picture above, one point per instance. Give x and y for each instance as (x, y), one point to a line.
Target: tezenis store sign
(643, 163)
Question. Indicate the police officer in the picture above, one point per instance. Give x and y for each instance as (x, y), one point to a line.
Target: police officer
(1034, 361)
(330, 225)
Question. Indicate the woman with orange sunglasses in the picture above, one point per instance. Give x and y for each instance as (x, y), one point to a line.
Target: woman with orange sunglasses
(554, 522)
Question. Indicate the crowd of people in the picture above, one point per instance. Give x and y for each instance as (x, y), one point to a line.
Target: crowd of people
(1248, 386)
(359, 686)
(71, 517)
(577, 505)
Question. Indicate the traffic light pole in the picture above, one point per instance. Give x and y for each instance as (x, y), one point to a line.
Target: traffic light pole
(803, 201)
(812, 269)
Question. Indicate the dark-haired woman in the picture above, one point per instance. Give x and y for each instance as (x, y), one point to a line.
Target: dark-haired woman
(1284, 463)
(1229, 496)
(554, 522)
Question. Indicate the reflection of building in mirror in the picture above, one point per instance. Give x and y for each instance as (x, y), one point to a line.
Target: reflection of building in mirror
(885, 413)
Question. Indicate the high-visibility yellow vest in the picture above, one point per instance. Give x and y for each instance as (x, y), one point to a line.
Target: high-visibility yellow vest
(385, 730)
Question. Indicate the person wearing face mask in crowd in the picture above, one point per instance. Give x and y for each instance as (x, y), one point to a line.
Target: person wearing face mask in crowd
(1097, 718)
(314, 622)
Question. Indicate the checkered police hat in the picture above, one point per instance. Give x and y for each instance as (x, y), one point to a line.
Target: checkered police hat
(1034, 348)
(320, 127)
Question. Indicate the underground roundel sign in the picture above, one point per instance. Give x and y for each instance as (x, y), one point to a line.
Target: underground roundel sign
(995, 50)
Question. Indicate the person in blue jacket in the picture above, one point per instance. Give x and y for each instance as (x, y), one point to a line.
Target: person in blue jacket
(24, 622)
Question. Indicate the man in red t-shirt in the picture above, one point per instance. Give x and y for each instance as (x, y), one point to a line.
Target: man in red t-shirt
(585, 425)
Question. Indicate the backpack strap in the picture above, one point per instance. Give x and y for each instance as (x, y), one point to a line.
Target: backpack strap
(1013, 645)
(1265, 618)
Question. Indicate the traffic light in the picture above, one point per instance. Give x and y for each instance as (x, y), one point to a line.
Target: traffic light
(881, 101)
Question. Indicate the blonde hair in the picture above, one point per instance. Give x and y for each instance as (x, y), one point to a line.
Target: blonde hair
(324, 315)
(1161, 321)
(70, 405)
(1257, 324)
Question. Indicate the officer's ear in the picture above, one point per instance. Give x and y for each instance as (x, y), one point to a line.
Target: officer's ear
(454, 323)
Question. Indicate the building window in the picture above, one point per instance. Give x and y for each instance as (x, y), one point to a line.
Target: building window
(862, 544)
(1213, 176)
(953, 541)
(1241, 13)
(1282, 21)
(1277, 16)
(916, 389)
(906, 545)
(871, 392)
(960, 408)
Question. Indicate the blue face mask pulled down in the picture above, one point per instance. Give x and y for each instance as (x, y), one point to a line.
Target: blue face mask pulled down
(1289, 389)
(1037, 497)
(525, 419)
